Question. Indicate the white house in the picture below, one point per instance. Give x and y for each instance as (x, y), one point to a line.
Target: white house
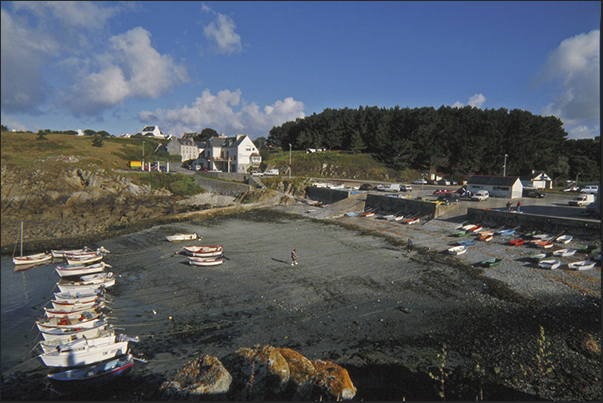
(153, 131)
(508, 187)
(187, 149)
(535, 179)
(231, 154)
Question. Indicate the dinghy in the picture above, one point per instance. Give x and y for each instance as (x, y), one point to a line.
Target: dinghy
(183, 237)
(581, 265)
(457, 250)
(201, 261)
(564, 239)
(549, 264)
(564, 252)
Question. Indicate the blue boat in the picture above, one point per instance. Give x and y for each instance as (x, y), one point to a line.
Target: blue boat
(93, 375)
(466, 243)
(506, 232)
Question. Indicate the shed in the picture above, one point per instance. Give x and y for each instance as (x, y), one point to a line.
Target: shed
(508, 187)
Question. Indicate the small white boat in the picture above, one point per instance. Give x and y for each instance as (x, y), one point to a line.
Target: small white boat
(80, 269)
(549, 264)
(33, 259)
(183, 237)
(88, 321)
(202, 251)
(71, 334)
(581, 265)
(564, 239)
(412, 221)
(60, 254)
(540, 236)
(457, 250)
(84, 259)
(103, 336)
(398, 218)
(86, 286)
(73, 356)
(73, 312)
(564, 252)
(201, 261)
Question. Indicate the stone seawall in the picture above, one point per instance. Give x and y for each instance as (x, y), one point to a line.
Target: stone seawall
(328, 195)
(573, 226)
(222, 187)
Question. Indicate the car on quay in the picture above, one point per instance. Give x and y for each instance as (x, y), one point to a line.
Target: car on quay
(439, 192)
(449, 197)
(591, 189)
(420, 181)
(480, 195)
(534, 193)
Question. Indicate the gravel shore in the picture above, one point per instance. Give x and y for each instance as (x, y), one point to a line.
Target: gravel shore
(359, 299)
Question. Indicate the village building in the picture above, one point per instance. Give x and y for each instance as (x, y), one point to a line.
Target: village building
(187, 149)
(230, 154)
(535, 179)
(153, 131)
(508, 187)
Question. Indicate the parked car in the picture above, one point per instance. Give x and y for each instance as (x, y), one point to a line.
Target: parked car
(571, 188)
(480, 195)
(420, 182)
(444, 182)
(366, 186)
(592, 189)
(449, 197)
(406, 188)
(534, 193)
(256, 173)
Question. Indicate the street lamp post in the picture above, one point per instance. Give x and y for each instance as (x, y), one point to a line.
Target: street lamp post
(505, 166)
(290, 160)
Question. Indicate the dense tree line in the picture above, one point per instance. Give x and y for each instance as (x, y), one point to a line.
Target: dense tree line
(458, 142)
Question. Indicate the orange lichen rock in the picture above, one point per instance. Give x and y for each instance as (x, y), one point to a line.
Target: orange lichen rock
(204, 375)
(302, 375)
(333, 380)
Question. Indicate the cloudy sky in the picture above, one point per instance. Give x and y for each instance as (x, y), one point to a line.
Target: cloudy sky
(244, 67)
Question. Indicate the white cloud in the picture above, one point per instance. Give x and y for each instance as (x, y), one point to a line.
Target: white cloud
(132, 68)
(218, 112)
(477, 100)
(575, 67)
(81, 14)
(222, 33)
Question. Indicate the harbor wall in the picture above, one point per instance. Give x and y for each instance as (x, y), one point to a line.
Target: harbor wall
(221, 187)
(327, 195)
(552, 224)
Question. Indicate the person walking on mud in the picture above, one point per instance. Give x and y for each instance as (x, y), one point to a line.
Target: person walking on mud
(409, 245)
(293, 257)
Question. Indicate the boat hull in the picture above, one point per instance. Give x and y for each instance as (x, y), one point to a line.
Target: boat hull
(86, 356)
(92, 376)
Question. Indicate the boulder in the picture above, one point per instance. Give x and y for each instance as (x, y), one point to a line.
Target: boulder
(301, 375)
(333, 380)
(259, 373)
(204, 375)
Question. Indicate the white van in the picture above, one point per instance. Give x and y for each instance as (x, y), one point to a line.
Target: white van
(592, 189)
(582, 200)
(272, 172)
(406, 188)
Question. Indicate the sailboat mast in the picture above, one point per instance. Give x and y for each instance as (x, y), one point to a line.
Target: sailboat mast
(21, 238)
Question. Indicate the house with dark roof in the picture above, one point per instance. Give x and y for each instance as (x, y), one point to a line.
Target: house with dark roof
(535, 179)
(507, 187)
(187, 149)
(230, 154)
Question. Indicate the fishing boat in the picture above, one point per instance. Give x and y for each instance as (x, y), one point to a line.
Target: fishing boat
(537, 257)
(517, 242)
(540, 236)
(94, 375)
(201, 261)
(86, 286)
(368, 214)
(506, 232)
(202, 251)
(486, 238)
(37, 258)
(460, 234)
(581, 265)
(80, 269)
(491, 262)
(564, 239)
(466, 243)
(412, 221)
(549, 264)
(102, 336)
(351, 214)
(457, 250)
(183, 237)
(545, 244)
(60, 254)
(66, 335)
(73, 312)
(83, 354)
(467, 226)
(84, 259)
(475, 228)
(87, 320)
(564, 252)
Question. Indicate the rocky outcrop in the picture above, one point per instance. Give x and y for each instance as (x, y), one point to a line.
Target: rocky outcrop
(260, 373)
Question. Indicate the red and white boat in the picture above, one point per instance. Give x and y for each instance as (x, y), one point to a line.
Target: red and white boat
(80, 269)
(69, 334)
(33, 259)
(475, 228)
(412, 221)
(201, 261)
(84, 259)
(517, 242)
(88, 285)
(202, 251)
(78, 354)
(86, 320)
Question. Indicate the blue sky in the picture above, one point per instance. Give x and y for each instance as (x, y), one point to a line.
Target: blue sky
(244, 67)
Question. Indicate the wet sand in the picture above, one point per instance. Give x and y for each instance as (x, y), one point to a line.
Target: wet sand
(355, 298)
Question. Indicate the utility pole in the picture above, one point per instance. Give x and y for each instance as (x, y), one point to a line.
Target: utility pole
(289, 160)
(505, 166)
(143, 155)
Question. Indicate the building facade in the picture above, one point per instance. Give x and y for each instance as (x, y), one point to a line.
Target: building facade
(231, 154)
(187, 149)
(507, 187)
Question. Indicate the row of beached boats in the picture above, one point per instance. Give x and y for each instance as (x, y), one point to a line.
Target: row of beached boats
(78, 344)
(408, 220)
(534, 238)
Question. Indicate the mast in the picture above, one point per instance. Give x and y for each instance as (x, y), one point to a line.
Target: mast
(21, 238)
